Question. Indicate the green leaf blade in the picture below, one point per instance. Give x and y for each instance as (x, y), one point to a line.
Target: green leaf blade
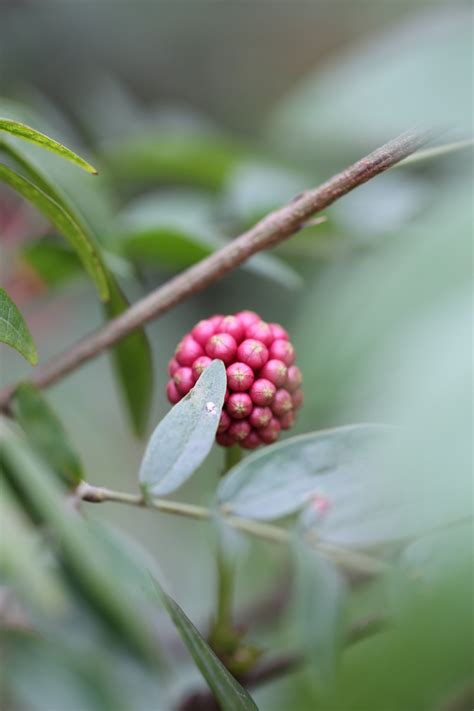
(64, 222)
(184, 438)
(133, 364)
(14, 330)
(230, 694)
(21, 130)
(46, 433)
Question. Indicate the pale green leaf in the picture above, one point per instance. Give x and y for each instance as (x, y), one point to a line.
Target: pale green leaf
(13, 329)
(184, 438)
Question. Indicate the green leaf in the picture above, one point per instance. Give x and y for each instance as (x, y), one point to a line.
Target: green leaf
(53, 261)
(228, 692)
(281, 479)
(176, 230)
(64, 223)
(200, 159)
(86, 569)
(319, 603)
(184, 438)
(132, 360)
(27, 133)
(45, 432)
(14, 331)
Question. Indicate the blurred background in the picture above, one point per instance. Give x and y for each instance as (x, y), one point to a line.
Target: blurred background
(201, 117)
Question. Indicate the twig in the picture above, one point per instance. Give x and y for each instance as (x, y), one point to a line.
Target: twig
(270, 231)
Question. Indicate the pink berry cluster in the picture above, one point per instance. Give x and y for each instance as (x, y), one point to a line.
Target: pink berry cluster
(263, 384)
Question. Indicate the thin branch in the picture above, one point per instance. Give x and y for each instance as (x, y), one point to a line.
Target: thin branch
(270, 231)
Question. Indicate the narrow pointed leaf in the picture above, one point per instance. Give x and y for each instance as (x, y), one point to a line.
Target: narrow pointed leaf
(21, 130)
(133, 364)
(64, 223)
(46, 433)
(228, 692)
(14, 331)
(184, 438)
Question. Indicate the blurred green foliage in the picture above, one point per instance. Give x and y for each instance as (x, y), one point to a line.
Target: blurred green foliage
(381, 325)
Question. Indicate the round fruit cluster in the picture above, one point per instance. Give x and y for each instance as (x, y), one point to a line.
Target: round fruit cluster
(263, 384)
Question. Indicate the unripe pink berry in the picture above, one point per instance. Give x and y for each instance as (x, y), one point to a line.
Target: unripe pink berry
(199, 365)
(297, 398)
(253, 353)
(188, 350)
(252, 441)
(216, 321)
(239, 405)
(287, 420)
(262, 392)
(222, 346)
(232, 325)
(294, 379)
(224, 422)
(173, 366)
(260, 417)
(247, 317)
(270, 433)
(282, 350)
(282, 402)
(239, 430)
(225, 439)
(278, 332)
(172, 392)
(203, 331)
(275, 371)
(260, 331)
(184, 380)
(240, 377)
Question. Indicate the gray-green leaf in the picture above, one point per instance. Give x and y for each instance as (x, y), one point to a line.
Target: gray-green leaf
(279, 480)
(185, 436)
(14, 331)
(229, 693)
(45, 432)
(21, 130)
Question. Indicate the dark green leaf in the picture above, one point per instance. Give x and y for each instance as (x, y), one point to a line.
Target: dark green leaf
(280, 479)
(321, 593)
(27, 133)
(86, 568)
(52, 260)
(64, 223)
(229, 693)
(45, 432)
(184, 438)
(13, 329)
(133, 364)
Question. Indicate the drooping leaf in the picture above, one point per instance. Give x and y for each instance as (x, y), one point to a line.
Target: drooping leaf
(184, 438)
(21, 130)
(281, 479)
(14, 330)
(85, 567)
(64, 223)
(45, 432)
(228, 692)
(133, 364)
(319, 604)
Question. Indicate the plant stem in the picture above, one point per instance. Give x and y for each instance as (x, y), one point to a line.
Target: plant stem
(267, 233)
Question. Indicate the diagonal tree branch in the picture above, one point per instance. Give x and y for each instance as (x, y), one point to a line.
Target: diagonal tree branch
(270, 231)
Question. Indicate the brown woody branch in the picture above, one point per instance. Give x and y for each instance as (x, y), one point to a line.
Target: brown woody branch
(270, 231)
